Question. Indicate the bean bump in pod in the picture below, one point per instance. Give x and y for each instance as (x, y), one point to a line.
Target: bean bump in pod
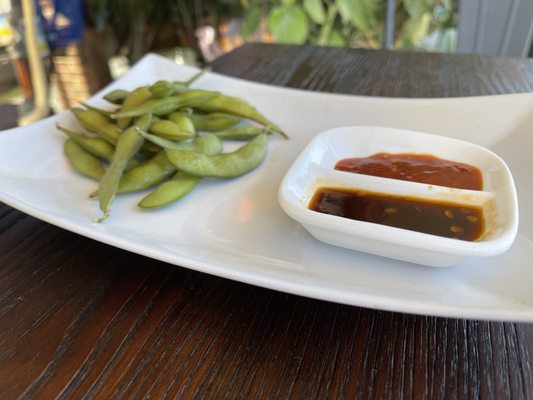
(170, 130)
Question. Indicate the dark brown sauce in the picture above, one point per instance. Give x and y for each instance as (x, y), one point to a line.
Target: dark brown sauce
(421, 168)
(450, 220)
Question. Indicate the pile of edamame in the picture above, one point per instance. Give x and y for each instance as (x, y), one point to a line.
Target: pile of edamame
(166, 137)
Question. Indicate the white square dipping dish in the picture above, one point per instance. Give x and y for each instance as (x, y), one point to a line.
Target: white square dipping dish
(314, 168)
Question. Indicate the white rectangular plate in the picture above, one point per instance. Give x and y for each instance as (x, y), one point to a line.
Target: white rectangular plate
(236, 229)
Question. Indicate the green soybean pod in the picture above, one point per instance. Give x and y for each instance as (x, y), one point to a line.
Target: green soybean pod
(239, 107)
(170, 130)
(128, 145)
(207, 144)
(116, 96)
(168, 104)
(150, 149)
(155, 106)
(228, 165)
(183, 122)
(159, 168)
(147, 174)
(96, 123)
(102, 112)
(165, 143)
(242, 132)
(170, 191)
(97, 146)
(163, 88)
(134, 99)
(82, 161)
(211, 122)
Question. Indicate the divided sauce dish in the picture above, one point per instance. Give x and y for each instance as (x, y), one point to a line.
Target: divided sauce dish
(314, 169)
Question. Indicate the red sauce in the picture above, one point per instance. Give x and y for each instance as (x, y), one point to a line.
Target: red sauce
(416, 168)
(450, 220)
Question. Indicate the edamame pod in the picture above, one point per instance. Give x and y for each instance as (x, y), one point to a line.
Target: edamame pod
(159, 167)
(168, 104)
(164, 88)
(242, 132)
(104, 113)
(98, 147)
(213, 122)
(134, 99)
(169, 130)
(228, 165)
(207, 144)
(171, 191)
(128, 145)
(96, 123)
(239, 107)
(165, 143)
(82, 161)
(183, 122)
(147, 174)
(116, 96)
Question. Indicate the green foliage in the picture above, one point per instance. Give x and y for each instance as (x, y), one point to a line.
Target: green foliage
(137, 24)
(316, 11)
(140, 25)
(419, 24)
(414, 30)
(416, 8)
(251, 21)
(360, 13)
(289, 24)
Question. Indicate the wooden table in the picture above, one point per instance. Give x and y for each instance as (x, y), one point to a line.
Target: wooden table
(81, 318)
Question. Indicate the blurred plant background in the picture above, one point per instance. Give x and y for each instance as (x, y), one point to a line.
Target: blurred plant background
(419, 24)
(140, 26)
(86, 43)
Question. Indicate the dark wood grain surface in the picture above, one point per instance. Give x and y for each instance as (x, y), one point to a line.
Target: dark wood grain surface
(80, 319)
(378, 73)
